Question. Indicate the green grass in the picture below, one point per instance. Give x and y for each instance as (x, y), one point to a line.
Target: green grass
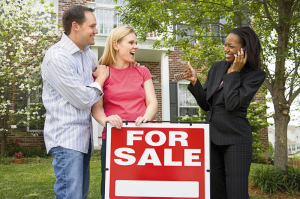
(35, 178)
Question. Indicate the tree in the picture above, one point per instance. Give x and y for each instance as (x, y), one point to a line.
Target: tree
(194, 27)
(26, 33)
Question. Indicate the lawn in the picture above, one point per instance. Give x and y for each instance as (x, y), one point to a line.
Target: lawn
(36, 180)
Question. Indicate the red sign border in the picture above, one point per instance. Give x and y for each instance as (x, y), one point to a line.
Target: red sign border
(161, 125)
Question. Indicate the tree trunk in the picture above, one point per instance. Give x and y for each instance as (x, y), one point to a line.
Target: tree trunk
(282, 119)
(3, 138)
(281, 106)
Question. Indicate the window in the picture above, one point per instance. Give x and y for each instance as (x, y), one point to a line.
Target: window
(187, 104)
(110, 2)
(35, 100)
(293, 147)
(106, 21)
(183, 28)
(298, 147)
(105, 15)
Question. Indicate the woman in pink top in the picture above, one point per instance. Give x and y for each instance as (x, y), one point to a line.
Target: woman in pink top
(128, 91)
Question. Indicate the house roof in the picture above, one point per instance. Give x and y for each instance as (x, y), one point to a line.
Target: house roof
(290, 141)
(291, 128)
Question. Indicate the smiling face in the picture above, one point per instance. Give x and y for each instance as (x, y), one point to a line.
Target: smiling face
(87, 30)
(126, 49)
(232, 46)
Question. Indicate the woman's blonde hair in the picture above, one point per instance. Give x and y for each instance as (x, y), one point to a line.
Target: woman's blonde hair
(117, 34)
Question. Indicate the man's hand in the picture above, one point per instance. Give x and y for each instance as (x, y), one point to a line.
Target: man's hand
(101, 73)
(135, 64)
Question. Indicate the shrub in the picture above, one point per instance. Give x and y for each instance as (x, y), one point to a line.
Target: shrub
(291, 180)
(34, 152)
(270, 180)
(271, 153)
(296, 156)
(11, 147)
(260, 160)
(257, 149)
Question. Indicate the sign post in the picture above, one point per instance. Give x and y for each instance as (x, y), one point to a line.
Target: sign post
(157, 160)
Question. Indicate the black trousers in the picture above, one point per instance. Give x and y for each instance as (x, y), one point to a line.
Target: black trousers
(103, 156)
(230, 167)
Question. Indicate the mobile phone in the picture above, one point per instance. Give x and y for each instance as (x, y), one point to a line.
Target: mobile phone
(244, 49)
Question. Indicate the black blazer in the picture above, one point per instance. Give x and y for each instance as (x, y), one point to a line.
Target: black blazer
(228, 105)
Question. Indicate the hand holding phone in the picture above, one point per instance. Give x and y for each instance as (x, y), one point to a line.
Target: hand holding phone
(239, 62)
(244, 49)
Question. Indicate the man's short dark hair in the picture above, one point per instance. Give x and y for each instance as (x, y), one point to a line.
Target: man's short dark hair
(74, 13)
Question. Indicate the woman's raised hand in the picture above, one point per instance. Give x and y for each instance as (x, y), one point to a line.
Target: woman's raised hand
(190, 74)
(239, 61)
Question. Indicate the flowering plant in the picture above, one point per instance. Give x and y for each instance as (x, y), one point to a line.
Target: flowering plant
(18, 155)
(28, 28)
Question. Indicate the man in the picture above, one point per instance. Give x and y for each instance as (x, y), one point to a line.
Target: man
(68, 95)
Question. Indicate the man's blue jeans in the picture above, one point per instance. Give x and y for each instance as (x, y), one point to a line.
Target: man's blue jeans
(72, 172)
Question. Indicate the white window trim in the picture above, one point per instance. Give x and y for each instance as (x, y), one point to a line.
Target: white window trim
(27, 127)
(183, 81)
(112, 7)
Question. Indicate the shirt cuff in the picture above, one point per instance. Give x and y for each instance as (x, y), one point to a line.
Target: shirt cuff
(97, 86)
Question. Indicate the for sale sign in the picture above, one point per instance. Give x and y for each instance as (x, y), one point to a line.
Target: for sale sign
(164, 160)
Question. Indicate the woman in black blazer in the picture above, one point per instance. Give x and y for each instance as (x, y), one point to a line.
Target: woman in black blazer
(226, 94)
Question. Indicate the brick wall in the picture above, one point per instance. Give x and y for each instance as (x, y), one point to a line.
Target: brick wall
(154, 68)
(28, 140)
(177, 65)
(65, 4)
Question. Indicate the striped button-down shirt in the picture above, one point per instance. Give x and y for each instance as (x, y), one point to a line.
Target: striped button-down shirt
(68, 95)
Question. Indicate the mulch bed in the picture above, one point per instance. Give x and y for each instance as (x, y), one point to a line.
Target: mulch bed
(257, 192)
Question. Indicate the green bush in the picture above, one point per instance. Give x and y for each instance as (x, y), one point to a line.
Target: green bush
(270, 180)
(271, 153)
(259, 159)
(296, 156)
(257, 149)
(11, 147)
(291, 180)
(34, 152)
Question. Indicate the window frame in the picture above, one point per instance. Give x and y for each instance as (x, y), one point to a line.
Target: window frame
(105, 18)
(28, 104)
(184, 82)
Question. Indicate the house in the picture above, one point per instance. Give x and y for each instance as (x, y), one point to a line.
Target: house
(293, 138)
(171, 90)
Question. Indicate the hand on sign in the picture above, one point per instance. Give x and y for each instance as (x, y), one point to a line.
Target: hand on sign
(139, 120)
(115, 120)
